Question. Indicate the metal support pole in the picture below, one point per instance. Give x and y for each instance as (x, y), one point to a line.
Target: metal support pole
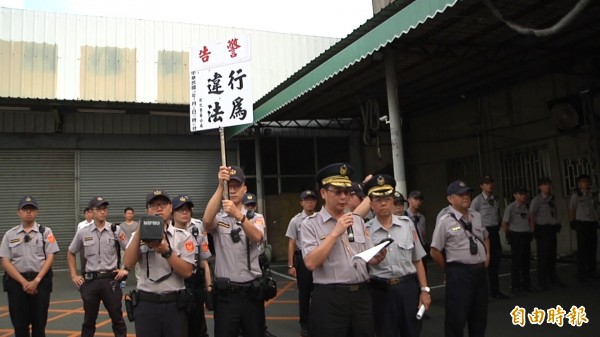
(259, 173)
(391, 84)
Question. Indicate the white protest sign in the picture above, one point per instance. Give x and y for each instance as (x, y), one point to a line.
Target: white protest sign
(220, 85)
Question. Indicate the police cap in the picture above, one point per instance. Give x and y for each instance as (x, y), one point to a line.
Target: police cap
(155, 195)
(337, 174)
(458, 187)
(416, 194)
(308, 194)
(356, 189)
(98, 201)
(398, 197)
(236, 173)
(249, 199)
(27, 200)
(181, 200)
(380, 185)
(487, 179)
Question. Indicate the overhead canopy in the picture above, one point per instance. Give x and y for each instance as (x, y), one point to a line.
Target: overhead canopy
(444, 51)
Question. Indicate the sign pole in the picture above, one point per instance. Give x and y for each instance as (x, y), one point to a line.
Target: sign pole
(223, 161)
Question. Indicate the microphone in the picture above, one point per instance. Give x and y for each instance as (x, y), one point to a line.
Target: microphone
(349, 229)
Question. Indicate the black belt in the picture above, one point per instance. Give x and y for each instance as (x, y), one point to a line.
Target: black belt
(465, 265)
(158, 298)
(240, 286)
(298, 252)
(393, 281)
(30, 275)
(342, 287)
(95, 275)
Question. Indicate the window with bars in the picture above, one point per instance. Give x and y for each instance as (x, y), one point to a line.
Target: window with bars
(573, 167)
(524, 167)
(466, 169)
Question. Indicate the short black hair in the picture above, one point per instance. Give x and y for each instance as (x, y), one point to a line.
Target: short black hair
(128, 209)
(87, 209)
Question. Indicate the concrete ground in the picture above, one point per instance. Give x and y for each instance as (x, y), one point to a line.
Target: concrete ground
(66, 313)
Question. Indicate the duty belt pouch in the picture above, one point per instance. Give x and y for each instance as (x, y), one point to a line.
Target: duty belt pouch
(222, 284)
(270, 288)
(185, 300)
(258, 289)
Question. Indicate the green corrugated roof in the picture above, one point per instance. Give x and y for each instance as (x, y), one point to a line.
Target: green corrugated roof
(376, 33)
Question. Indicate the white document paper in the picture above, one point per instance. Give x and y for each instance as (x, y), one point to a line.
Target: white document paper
(369, 253)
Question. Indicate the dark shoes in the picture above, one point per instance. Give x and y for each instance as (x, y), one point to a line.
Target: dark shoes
(268, 334)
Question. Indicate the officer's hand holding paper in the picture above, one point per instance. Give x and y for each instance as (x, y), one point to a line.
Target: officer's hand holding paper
(370, 253)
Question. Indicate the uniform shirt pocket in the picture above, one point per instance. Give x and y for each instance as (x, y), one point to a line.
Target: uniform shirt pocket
(16, 249)
(88, 248)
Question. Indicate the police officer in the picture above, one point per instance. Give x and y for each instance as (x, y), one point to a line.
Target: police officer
(27, 253)
(162, 299)
(398, 284)
(515, 224)
(296, 267)
(463, 237)
(584, 219)
(200, 283)
(544, 222)
(399, 202)
(340, 303)
(488, 206)
(101, 243)
(237, 239)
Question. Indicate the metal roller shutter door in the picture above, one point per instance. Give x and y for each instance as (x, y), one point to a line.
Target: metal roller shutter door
(50, 177)
(125, 177)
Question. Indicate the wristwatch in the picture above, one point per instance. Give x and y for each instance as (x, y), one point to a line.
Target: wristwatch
(167, 254)
(241, 222)
(290, 267)
(426, 289)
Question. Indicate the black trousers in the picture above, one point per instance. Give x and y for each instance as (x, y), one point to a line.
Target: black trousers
(587, 247)
(196, 317)
(304, 281)
(239, 311)
(520, 248)
(395, 309)
(340, 312)
(28, 309)
(545, 236)
(495, 256)
(109, 292)
(466, 300)
(160, 320)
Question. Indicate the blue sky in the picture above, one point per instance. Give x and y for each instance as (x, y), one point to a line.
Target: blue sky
(334, 18)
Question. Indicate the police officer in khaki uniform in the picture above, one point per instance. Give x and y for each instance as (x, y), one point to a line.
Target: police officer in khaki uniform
(488, 206)
(101, 243)
(544, 222)
(296, 267)
(237, 239)
(162, 299)
(27, 253)
(584, 219)
(340, 304)
(515, 224)
(398, 284)
(200, 283)
(461, 234)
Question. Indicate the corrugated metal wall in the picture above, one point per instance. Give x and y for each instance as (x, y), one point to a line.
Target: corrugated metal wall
(49, 55)
(50, 177)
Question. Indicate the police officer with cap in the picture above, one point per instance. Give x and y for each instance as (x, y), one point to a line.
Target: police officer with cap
(398, 284)
(399, 202)
(461, 234)
(200, 283)
(583, 218)
(515, 224)
(238, 304)
(27, 253)
(161, 297)
(488, 206)
(101, 243)
(296, 267)
(340, 303)
(544, 222)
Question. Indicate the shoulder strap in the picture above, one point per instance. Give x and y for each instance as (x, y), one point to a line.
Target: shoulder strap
(42, 229)
(467, 227)
(113, 228)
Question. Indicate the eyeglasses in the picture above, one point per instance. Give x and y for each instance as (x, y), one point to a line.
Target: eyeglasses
(339, 192)
(101, 209)
(183, 210)
(154, 206)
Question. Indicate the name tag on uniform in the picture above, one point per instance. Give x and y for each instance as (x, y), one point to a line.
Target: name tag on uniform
(15, 240)
(89, 238)
(222, 224)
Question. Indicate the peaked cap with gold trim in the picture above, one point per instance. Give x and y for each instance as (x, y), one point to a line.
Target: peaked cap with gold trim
(337, 174)
(380, 185)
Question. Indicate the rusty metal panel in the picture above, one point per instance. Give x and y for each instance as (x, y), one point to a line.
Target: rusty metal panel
(173, 77)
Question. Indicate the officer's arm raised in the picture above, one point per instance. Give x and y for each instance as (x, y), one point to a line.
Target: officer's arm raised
(132, 252)
(214, 204)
